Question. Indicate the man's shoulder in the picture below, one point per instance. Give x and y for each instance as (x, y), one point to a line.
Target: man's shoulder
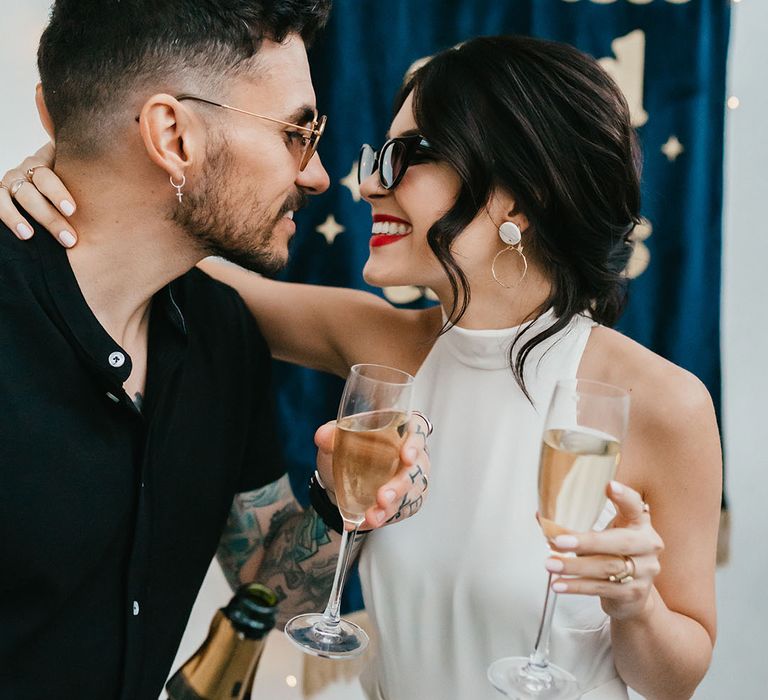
(214, 307)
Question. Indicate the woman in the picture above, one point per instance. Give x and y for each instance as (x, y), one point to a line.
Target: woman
(512, 197)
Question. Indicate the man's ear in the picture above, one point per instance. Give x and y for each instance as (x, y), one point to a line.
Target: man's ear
(172, 134)
(42, 110)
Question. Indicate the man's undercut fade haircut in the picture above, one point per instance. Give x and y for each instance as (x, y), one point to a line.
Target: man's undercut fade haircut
(96, 53)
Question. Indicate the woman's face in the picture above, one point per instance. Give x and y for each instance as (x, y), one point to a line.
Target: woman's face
(426, 192)
(399, 252)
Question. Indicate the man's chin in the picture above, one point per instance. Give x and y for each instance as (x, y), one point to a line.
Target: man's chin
(268, 264)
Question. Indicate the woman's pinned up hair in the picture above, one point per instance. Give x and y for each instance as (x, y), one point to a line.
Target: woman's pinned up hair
(545, 123)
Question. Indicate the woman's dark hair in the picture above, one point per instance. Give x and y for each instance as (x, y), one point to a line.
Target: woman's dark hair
(545, 123)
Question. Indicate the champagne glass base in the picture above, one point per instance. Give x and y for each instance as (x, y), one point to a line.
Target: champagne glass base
(313, 635)
(516, 678)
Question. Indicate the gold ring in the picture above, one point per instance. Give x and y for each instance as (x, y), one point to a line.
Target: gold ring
(3, 186)
(31, 171)
(628, 575)
(16, 185)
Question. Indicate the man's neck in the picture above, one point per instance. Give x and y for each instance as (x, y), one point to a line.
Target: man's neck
(127, 249)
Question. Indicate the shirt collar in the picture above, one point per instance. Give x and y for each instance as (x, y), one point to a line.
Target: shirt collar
(99, 348)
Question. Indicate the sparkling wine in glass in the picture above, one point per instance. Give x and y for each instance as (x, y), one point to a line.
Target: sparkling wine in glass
(581, 446)
(371, 428)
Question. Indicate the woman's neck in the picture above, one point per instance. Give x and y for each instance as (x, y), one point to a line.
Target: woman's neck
(494, 306)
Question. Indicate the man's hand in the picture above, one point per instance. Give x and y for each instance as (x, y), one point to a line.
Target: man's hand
(403, 495)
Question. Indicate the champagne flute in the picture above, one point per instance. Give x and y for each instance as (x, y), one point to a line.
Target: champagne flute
(371, 428)
(585, 425)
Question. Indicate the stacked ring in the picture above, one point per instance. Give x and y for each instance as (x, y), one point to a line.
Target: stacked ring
(426, 421)
(626, 576)
(16, 185)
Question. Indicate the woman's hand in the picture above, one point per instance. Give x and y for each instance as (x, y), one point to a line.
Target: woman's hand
(403, 495)
(36, 188)
(618, 564)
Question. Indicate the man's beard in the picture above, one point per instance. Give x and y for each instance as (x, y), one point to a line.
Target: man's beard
(233, 227)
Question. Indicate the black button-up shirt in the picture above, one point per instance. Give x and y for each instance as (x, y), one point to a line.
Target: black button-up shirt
(109, 516)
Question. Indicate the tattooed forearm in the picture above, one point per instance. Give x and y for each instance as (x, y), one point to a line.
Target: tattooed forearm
(269, 538)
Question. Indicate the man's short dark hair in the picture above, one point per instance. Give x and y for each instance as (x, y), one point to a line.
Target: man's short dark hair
(95, 53)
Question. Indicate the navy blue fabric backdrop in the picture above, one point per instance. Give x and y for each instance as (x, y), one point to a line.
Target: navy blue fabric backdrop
(668, 56)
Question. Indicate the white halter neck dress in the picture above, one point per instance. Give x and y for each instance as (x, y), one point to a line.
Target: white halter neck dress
(463, 582)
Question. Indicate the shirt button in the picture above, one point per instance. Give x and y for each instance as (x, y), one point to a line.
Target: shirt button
(117, 359)
(135, 607)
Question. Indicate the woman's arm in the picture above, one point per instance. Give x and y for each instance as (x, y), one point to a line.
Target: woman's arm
(324, 328)
(662, 623)
(665, 650)
(329, 328)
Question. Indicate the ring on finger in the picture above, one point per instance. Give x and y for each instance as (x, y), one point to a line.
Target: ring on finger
(16, 185)
(31, 171)
(646, 508)
(628, 575)
(425, 419)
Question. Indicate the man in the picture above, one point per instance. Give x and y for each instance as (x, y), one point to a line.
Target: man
(134, 388)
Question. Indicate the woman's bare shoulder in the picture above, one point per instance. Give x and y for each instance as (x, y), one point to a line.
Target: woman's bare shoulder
(660, 389)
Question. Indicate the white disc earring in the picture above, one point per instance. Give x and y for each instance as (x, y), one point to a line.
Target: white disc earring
(510, 233)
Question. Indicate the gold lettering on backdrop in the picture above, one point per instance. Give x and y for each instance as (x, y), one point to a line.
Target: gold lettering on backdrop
(628, 70)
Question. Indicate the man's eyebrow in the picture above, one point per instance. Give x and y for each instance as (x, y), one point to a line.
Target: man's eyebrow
(301, 116)
(407, 132)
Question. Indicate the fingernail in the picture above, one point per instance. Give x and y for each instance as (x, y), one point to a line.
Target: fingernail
(380, 517)
(559, 587)
(67, 207)
(67, 239)
(25, 233)
(566, 542)
(389, 495)
(554, 565)
(411, 453)
(617, 488)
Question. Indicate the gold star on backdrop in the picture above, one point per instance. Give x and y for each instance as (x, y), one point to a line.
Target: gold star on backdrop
(330, 228)
(672, 148)
(350, 182)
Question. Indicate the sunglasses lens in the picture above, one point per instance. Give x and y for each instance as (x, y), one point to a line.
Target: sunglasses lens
(367, 163)
(392, 163)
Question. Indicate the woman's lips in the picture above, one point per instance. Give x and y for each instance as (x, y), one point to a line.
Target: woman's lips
(380, 239)
(388, 229)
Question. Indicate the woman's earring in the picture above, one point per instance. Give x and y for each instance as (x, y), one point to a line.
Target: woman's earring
(179, 193)
(510, 233)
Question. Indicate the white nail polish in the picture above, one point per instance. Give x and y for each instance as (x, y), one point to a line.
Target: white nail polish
(67, 207)
(617, 488)
(67, 239)
(24, 231)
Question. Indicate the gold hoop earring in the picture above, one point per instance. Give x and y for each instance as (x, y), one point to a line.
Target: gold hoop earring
(519, 250)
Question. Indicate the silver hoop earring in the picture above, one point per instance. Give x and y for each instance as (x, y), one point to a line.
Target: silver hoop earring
(179, 193)
(519, 250)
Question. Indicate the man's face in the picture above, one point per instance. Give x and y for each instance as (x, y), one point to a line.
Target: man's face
(241, 201)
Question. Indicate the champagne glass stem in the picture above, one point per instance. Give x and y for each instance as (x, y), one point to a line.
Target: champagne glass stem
(331, 613)
(540, 655)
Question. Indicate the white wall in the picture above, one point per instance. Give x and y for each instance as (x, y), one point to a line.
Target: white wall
(738, 669)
